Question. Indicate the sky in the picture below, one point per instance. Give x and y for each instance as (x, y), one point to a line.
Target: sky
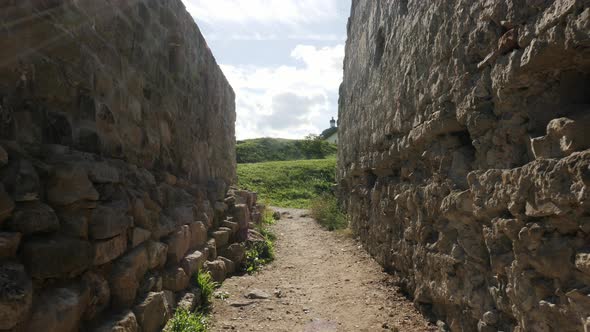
(283, 58)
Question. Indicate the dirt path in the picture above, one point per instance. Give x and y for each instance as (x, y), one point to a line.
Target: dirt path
(319, 282)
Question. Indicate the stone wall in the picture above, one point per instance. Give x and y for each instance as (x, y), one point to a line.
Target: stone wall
(464, 160)
(117, 152)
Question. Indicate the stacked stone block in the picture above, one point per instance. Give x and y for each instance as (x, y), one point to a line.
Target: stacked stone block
(463, 156)
(117, 152)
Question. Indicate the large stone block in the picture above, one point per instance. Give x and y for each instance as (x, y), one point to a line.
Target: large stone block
(3, 157)
(108, 250)
(96, 288)
(230, 266)
(56, 257)
(138, 236)
(74, 223)
(33, 217)
(152, 313)
(126, 275)
(107, 222)
(193, 263)
(211, 248)
(198, 234)
(217, 269)
(233, 226)
(125, 322)
(157, 254)
(70, 184)
(16, 295)
(241, 214)
(6, 205)
(58, 310)
(175, 279)
(236, 252)
(101, 172)
(178, 244)
(222, 236)
(21, 180)
(438, 170)
(9, 243)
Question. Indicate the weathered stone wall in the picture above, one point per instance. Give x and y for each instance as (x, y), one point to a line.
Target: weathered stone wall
(116, 159)
(464, 160)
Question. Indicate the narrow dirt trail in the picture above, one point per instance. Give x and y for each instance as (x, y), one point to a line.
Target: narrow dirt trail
(319, 282)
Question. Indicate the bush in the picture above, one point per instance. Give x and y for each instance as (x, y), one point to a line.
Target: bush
(207, 286)
(328, 214)
(185, 321)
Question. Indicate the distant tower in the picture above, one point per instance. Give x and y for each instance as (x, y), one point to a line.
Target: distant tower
(332, 123)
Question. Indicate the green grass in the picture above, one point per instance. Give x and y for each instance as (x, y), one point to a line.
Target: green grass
(278, 149)
(206, 285)
(186, 321)
(326, 211)
(290, 184)
(259, 253)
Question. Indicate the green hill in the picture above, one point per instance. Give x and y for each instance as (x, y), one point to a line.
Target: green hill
(278, 149)
(292, 184)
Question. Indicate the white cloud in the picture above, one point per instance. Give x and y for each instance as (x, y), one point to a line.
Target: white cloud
(262, 11)
(256, 36)
(288, 101)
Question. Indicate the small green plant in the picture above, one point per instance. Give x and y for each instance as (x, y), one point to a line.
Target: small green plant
(207, 286)
(268, 216)
(328, 214)
(186, 321)
(260, 253)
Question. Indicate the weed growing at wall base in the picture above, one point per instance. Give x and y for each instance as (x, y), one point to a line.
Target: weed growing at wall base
(260, 251)
(207, 286)
(186, 321)
(327, 213)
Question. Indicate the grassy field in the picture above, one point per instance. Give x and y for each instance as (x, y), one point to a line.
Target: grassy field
(291, 184)
(278, 149)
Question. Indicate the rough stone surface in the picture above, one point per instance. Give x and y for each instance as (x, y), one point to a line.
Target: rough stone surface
(108, 250)
(125, 322)
(222, 236)
(138, 236)
(217, 269)
(16, 296)
(127, 273)
(178, 244)
(152, 313)
(3, 157)
(70, 184)
(6, 205)
(58, 310)
(175, 279)
(157, 253)
(236, 252)
(33, 217)
(98, 292)
(462, 161)
(9, 243)
(117, 134)
(107, 222)
(56, 257)
(233, 226)
(198, 234)
(193, 262)
(189, 300)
